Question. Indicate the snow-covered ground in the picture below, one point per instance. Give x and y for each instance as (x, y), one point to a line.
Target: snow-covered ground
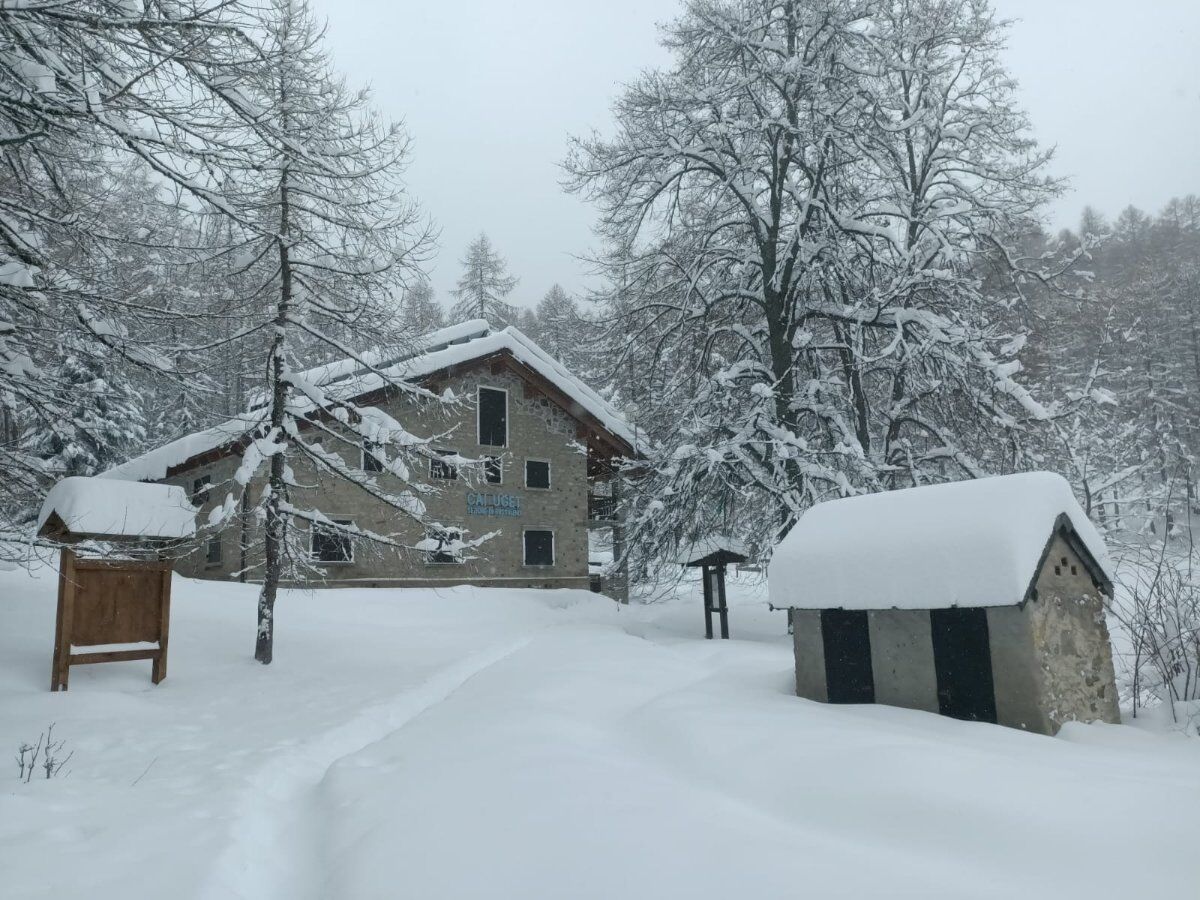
(521, 744)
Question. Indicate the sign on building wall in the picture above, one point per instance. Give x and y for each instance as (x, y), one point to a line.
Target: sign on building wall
(507, 505)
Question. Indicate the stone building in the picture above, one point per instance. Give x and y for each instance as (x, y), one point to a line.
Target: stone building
(546, 491)
(982, 600)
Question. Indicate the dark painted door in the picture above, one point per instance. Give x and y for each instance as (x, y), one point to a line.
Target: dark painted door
(962, 658)
(847, 639)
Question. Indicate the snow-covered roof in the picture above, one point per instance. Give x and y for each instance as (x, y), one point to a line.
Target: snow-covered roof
(98, 506)
(438, 350)
(967, 543)
(708, 546)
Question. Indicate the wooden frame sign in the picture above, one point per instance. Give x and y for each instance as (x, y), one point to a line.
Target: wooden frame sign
(112, 611)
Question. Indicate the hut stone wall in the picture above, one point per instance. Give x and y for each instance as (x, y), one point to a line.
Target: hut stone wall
(1071, 641)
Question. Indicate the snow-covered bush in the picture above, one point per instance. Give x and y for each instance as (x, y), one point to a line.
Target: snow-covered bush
(1157, 606)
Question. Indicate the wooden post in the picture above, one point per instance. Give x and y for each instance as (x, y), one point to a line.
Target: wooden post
(60, 667)
(708, 603)
(724, 609)
(158, 669)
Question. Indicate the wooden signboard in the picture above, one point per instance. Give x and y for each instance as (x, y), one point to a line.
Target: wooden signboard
(120, 609)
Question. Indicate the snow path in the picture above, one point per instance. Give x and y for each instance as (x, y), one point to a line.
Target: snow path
(274, 849)
(493, 744)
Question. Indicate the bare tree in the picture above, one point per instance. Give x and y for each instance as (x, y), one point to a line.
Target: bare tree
(87, 93)
(326, 236)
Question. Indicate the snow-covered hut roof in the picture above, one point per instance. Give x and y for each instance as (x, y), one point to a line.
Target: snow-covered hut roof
(100, 507)
(439, 350)
(967, 543)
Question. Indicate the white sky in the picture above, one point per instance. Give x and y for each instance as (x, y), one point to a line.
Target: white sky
(490, 92)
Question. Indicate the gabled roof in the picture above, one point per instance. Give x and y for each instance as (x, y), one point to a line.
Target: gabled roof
(439, 351)
(967, 543)
(96, 507)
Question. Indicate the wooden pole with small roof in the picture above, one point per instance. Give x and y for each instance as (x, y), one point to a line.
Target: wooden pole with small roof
(712, 555)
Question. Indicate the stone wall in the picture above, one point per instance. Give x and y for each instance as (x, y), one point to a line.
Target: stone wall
(1072, 643)
(537, 429)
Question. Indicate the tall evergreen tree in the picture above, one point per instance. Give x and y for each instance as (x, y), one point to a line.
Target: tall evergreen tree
(101, 425)
(483, 285)
(420, 309)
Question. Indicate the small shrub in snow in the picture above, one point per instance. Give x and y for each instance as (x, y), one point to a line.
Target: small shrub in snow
(46, 755)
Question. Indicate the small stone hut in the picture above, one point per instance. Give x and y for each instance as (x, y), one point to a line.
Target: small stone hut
(982, 600)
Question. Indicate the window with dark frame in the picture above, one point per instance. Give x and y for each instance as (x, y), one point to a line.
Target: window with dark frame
(539, 547)
(493, 470)
(371, 462)
(444, 550)
(441, 469)
(493, 417)
(537, 474)
(213, 554)
(200, 489)
(329, 544)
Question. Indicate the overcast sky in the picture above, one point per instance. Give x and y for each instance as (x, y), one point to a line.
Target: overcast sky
(490, 92)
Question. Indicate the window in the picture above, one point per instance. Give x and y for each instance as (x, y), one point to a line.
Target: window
(200, 489)
(329, 544)
(537, 474)
(443, 545)
(539, 548)
(441, 469)
(371, 462)
(493, 417)
(213, 555)
(493, 470)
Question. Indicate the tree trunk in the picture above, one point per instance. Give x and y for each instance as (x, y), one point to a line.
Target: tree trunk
(276, 524)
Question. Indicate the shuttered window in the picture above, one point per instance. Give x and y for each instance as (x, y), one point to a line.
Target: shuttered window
(329, 545)
(539, 547)
(442, 470)
(493, 417)
(537, 473)
(493, 470)
(445, 545)
(371, 462)
(200, 489)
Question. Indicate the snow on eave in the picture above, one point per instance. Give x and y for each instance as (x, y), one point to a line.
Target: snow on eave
(101, 508)
(541, 361)
(347, 379)
(522, 349)
(973, 543)
(339, 370)
(156, 464)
